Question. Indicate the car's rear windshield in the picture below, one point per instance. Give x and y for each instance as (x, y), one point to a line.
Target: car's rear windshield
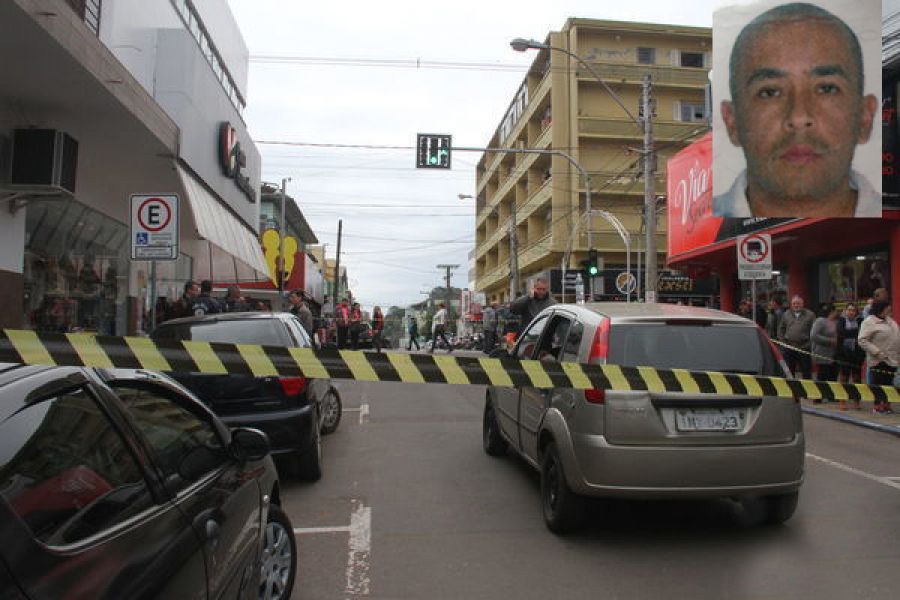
(247, 331)
(699, 347)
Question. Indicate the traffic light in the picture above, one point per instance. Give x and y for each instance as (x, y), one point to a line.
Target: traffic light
(593, 264)
(433, 151)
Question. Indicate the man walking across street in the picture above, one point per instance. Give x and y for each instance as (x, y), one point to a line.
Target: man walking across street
(529, 306)
(794, 330)
(413, 333)
(439, 328)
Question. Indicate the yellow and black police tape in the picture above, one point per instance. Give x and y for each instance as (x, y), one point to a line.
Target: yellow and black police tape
(87, 350)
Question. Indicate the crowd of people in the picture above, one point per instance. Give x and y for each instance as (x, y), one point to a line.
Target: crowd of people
(848, 345)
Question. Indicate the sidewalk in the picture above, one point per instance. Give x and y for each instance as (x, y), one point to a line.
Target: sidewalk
(864, 418)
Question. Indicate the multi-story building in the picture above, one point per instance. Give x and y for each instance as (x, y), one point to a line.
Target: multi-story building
(560, 106)
(102, 101)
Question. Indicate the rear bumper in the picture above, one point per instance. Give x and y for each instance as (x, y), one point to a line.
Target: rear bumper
(596, 468)
(288, 430)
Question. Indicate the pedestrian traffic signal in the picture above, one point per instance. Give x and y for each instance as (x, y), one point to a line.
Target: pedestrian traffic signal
(433, 151)
(593, 263)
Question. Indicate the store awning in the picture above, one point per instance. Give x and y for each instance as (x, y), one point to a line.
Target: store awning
(233, 249)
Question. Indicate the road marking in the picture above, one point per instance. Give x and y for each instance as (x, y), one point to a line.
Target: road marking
(363, 411)
(888, 481)
(359, 549)
(304, 530)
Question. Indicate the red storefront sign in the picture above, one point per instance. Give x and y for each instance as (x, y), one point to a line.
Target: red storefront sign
(689, 180)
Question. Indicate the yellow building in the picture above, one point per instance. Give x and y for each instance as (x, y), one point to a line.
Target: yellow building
(561, 106)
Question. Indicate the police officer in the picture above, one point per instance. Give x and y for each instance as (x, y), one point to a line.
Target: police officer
(205, 304)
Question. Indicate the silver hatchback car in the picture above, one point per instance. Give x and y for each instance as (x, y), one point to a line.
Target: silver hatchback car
(641, 444)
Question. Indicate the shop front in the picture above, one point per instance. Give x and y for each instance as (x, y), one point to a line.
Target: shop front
(822, 260)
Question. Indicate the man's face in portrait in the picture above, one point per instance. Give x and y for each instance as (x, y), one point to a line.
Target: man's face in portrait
(798, 111)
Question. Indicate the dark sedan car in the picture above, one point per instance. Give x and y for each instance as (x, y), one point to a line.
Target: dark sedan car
(293, 411)
(120, 484)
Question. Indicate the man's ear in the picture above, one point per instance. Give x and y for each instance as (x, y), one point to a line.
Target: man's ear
(867, 118)
(728, 115)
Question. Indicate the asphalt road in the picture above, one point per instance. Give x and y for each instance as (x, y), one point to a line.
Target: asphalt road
(411, 507)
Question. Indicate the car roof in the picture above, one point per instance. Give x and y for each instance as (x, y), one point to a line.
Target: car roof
(635, 312)
(229, 316)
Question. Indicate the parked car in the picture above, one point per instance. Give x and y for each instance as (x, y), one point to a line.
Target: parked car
(640, 444)
(121, 484)
(293, 411)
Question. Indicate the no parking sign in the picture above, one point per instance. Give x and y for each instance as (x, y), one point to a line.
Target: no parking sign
(154, 227)
(754, 256)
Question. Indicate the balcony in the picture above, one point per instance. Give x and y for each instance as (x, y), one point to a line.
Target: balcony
(534, 252)
(493, 277)
(89, 12)
(662, 75)
(668, 131)
(535, 201)
(492, 240)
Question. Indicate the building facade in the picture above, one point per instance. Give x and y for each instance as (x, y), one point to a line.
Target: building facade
(104, 101)
(531, 206)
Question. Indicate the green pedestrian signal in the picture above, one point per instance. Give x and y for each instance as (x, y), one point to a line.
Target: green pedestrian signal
(433, 151)
(593, 263)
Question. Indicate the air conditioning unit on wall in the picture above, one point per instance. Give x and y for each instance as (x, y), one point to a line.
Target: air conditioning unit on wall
(43, 160)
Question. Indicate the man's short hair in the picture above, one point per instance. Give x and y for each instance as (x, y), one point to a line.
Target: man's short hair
(205, 286)
(878, 307)
(795, 11)
(188, 285)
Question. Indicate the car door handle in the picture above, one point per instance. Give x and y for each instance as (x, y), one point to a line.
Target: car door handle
(207, 526)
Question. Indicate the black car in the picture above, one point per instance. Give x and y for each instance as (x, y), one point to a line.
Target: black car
(293, 411)
(120, 484)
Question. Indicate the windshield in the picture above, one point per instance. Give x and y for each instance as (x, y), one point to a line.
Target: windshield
(704, 347)
(247, 331)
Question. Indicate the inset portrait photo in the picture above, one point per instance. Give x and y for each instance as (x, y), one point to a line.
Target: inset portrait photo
(796, 90)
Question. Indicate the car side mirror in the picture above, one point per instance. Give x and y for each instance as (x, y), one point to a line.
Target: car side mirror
(499, 352)
(249, 444)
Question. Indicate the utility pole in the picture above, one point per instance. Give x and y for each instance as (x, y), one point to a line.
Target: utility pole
(282, 263)
(337, 267)
(513, 253)
(449, 268)
(649, 190)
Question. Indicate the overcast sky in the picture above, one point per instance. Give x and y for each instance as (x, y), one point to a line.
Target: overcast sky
(318, 76)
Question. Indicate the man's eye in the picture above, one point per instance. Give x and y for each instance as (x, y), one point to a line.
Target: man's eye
(828, 88)
(768, 92)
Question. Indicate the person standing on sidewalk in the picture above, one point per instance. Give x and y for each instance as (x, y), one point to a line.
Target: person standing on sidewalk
(342, 323)
(824, 343)
(355, 325)
(849, 355)
(377, 328)
(879, 336)
(413, 333)
(439, 328)
(794, 329)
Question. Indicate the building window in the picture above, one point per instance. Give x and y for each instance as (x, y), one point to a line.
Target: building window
(693, 112)
(853, 278)
(692, 59)
(646, 56)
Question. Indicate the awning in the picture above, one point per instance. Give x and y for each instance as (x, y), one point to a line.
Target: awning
(232, 249)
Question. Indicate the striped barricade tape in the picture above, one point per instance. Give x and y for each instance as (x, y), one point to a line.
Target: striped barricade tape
(87, 350)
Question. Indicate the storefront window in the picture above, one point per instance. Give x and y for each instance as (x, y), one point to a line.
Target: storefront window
(76, 268)
(853, 278)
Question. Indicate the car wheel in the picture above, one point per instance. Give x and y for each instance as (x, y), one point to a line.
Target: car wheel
(333, 408)
(278, 566)
(781, 508)
(563, 509)
(309, 461)
(493, 442)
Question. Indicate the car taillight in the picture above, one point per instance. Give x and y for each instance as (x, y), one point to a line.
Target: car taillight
(595, 396)
(599, 353)
(292, 386)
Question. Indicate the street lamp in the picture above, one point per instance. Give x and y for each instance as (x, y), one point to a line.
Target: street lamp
(645, 125)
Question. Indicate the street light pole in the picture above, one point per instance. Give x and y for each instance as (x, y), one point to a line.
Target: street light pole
(283, 231)
(521, 45)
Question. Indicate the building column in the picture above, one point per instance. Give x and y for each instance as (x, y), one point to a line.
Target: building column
(12, 260)
(894, 260)
(727, 274)
(798, 280)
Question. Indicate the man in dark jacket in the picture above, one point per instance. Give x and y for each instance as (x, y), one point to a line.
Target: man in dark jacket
(794, 330)
(205, 304)
(528, 306)
(183, 307)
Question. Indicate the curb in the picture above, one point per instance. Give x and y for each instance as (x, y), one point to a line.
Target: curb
(828, 414)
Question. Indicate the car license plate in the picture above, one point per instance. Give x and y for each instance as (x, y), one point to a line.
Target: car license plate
(710, 419)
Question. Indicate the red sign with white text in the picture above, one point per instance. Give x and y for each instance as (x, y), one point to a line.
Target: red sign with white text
(689, 182)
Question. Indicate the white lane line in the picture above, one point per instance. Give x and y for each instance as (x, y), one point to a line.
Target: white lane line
(888, 481)
(363, 413)
(359, 549)
(303, 530)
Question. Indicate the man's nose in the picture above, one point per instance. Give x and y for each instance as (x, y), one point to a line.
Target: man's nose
(800, 113)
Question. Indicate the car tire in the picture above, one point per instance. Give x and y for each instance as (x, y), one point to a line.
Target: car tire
(780, 508)
(332, 409)
(563, 509)
(309, 461)
(278, 564)
(492, 440)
